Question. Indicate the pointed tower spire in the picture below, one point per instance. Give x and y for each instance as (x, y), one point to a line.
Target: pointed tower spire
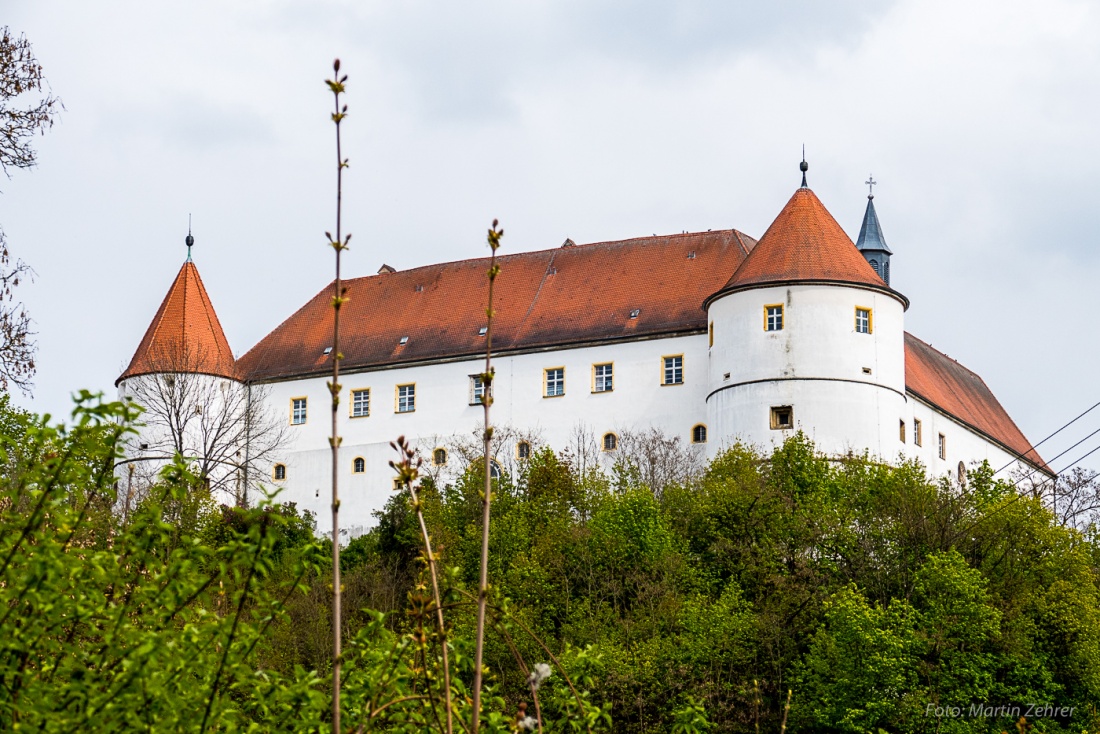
(185, 335)
(871, 242)
(804, 166)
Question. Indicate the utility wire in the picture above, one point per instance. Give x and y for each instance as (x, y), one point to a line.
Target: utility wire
(1032, 448)
(1059, 456)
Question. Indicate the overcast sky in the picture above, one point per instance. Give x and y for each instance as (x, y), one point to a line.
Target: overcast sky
(588, 119)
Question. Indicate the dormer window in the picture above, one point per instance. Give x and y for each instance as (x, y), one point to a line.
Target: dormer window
(635, 312)
(483, 331)
(404, 340)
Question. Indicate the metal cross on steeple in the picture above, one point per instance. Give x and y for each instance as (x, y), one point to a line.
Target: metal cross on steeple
(871, 186)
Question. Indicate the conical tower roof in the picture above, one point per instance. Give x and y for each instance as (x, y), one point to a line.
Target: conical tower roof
(870, 232)
(185, 335)
(804, 244)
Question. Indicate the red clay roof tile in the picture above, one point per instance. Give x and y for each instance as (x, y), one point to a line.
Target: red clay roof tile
(804, 243)
(568, 295)
(185, 335)
(941, 381)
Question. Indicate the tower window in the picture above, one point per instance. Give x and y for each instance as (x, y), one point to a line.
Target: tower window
(602, 377)
(863, 320)
(874, 264)
(439, 456)
(554, 379)
(297, 411)
(477, 389)
(523, 450)
(901, 430)
(711, 333)
(279, 473)
(360, 403)
(943, 446)
(358, 465)
(673, 373)
(916, 432)
(782, 416)
(773, 317)
(406, 398)
(699, 434)
(886, 272)
(610, 442)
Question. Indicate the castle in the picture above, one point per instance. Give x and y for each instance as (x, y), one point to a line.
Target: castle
(712, 337)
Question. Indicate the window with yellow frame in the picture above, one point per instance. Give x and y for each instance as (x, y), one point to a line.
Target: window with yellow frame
(864, 320)
(603, 377)
(773, 317)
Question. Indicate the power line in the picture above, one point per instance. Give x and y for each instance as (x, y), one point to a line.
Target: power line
(1059, 456)
(1032, 448)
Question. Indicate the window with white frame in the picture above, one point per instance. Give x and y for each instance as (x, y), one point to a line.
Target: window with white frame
(917, 437)
(297, 411)
(863, 320)
(602, 378)
(773, 317)
(554, 378)
(406, 398)
(360, 403)
(477, 389)
(673, 372)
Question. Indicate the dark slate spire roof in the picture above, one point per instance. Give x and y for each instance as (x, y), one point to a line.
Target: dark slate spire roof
(870, 232)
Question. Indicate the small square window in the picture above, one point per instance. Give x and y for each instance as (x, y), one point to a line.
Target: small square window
(673, 372)
(782, 416)
(555, 382)
(297, 411)
(773, 317)
(917, 438)
(477, 389)
(602, 378)
(360, 403)
(398, 484)
(406, 398)
(523, 450)
(863, 320)
(943, 446)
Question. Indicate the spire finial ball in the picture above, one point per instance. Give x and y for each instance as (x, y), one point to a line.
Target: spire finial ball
(189, 241)
(803, 166)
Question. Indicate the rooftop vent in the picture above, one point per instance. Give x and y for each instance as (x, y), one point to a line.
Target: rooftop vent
(635, 312)
(386, 269)
(691, 255)
(404, 340)
(328, 350)
(568, 243)
(482, 330)
(551, 270)
(419, 288)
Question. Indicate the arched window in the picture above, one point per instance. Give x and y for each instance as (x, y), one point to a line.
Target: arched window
(699, 434)
(358, 465)
(280, 472)
(523, 450)
(610, 442)
(494, 469)
(874, 264)
(439, 457)
(886, 272)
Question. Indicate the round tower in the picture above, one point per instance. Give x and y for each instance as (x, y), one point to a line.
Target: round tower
(807, 336)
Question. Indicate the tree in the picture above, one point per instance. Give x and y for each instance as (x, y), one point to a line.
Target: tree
(224, 428)
(20, 77)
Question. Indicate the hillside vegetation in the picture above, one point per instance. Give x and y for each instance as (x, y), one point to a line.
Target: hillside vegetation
(877, 595)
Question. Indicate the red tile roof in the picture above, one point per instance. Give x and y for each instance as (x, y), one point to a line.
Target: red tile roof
(565, 296)
(942, 382)
(805, 243)
(185, 335)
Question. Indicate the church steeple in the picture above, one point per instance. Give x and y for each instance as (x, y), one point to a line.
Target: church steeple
(871, 242)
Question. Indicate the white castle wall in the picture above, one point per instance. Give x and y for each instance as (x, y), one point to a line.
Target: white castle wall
(845, 388)
(638, 401)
